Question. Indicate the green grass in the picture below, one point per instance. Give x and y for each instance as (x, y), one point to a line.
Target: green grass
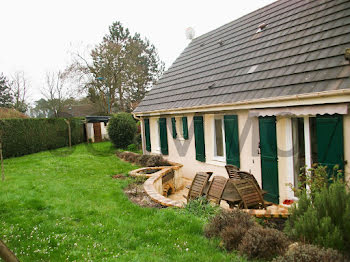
(56, 206)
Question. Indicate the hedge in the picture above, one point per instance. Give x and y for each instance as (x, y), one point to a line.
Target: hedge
(26, 136)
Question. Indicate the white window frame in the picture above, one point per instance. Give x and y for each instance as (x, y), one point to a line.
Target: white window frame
(215, 157)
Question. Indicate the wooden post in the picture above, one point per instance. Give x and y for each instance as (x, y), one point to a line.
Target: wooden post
(69, 133)
(2, 163)
(6, 254)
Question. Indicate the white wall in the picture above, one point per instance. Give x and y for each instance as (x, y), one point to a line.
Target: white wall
(104, 132)
(90, 131)
(183, 151)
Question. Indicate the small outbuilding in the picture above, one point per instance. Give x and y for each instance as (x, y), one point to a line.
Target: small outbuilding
(96, 128)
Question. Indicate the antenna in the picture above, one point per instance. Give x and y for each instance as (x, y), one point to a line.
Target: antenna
(189, 33)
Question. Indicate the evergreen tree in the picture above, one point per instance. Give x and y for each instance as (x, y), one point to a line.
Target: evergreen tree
(123, 69)
(6, 96)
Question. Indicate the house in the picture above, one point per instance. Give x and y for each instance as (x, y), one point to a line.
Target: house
(268, 92)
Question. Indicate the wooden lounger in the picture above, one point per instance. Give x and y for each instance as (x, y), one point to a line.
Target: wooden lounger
(216, 189)
(232, 171)
(198, 184)
(250, 194)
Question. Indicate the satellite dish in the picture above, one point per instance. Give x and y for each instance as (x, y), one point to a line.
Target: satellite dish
(190, 33)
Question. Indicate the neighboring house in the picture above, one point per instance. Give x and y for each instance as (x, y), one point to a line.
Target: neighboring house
(268, 92)
(78, 111)
(96, 128)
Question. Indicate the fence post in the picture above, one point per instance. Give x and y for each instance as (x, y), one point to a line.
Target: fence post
(2, 163)
(69, 133)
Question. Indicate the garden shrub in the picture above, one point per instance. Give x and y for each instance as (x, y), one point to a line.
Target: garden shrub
(26, 136)
(143, 159)
(232, 236)
(128, 156)
(224, 219)
(311, 253)
(157, 160)
(132, 148)
(263, 243)
(119, 153)
(322, 219)
(315, 178)
(122, 130)
(201, 207)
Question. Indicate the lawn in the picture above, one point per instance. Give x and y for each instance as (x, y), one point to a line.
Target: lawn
(63, 205)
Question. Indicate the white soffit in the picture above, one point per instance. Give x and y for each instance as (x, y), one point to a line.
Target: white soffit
(341, 109)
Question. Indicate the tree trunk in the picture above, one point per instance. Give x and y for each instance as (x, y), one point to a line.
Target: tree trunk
(6, 254)
(69, 133)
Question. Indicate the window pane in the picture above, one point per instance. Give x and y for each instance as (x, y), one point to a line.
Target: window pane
(219, 138)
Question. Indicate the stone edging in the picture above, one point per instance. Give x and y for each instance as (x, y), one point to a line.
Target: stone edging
(152, 178)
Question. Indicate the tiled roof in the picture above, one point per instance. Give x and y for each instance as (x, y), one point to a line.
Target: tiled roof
(79, 110)
(300, 51)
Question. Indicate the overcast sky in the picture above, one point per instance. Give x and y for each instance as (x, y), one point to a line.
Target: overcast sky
(37, 36)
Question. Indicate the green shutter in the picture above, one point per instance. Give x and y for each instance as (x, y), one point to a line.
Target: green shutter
(147, 135)
(173, 124)
(199, 138)
(232, 140)
(184, 127)
(330, 142)
(269, 158)
(163, 136)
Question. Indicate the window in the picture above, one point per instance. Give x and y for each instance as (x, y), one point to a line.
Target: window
(179, 127)
(219, 149)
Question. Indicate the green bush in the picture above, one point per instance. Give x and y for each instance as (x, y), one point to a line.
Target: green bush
(122, 130)
(310, 253)
(324, 218)
(132, 148)
(201, 207)
(26, 136)
(263, 243)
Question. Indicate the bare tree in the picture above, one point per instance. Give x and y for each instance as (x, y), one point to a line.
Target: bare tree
(19, 86)
(56, 91)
